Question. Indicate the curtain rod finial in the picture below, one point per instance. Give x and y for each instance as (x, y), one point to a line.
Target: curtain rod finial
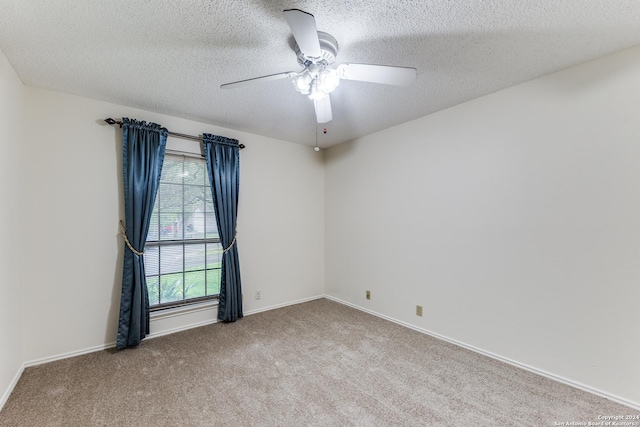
(113, 122)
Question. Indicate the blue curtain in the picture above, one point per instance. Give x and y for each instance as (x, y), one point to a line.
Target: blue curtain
(143, 147)
(223, 166)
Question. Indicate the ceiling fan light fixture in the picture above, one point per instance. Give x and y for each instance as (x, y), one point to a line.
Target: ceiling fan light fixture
(316, 84)
(315, 94)
(302, 82)
(316, 52)
(328, 80)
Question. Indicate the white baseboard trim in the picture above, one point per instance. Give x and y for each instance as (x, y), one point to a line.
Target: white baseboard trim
(273, 307)
(158, 316)
(106, 346)
(181, 328)
(13, 384)
(69, 354)
(48, 359)
(617, 399)
(614, 398)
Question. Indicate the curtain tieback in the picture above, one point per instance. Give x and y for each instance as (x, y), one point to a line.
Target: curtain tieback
(232, 243)
(123, 231)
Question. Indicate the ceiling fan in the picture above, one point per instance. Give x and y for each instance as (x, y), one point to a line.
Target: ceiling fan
(316, 51)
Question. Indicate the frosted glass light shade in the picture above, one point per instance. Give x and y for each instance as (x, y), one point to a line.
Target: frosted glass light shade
(302, 82)
(328, 80)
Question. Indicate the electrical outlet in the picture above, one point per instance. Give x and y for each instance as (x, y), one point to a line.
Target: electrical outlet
(419, 310)
(258, 296)
(368, 294)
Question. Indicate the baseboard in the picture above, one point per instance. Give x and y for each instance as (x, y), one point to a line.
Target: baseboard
(107, 346)
(181, 328)
(549, 375)
(48, 359)
(212, 321)
(273, 307)
(13, 384)
(69, 354)
(609, 396)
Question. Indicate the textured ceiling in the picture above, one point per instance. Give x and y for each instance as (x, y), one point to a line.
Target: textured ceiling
(172, 56)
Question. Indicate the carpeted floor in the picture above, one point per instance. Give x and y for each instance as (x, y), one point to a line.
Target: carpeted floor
(319, 363)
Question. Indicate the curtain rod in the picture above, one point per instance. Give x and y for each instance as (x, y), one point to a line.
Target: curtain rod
(176, 134)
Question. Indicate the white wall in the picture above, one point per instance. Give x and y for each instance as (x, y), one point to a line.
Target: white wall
(73, 203)
(11, 227)
(514, 220)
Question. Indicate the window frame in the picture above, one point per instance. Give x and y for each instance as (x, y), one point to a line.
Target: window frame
(183, 243)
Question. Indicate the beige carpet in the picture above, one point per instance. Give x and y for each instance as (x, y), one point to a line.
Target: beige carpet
(319, 363)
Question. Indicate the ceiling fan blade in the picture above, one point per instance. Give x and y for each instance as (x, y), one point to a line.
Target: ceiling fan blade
(399, 76)
(258, 80)
(323, 109)
(303, 27)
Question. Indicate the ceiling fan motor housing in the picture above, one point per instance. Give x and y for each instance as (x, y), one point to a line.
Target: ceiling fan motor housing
(328, 49)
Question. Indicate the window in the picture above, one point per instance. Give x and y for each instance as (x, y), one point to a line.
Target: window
(183, 255)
